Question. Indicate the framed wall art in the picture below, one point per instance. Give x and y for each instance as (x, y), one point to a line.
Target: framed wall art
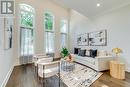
(8, 29)
(82, 40)
(98, 38)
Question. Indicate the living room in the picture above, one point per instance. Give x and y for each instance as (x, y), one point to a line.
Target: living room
(84, 36)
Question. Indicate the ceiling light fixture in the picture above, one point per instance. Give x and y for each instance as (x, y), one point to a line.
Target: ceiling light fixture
(98, 4)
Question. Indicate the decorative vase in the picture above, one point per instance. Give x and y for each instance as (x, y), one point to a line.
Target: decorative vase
(69, 58)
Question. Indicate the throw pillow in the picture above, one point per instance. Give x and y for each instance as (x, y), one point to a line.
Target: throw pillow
(82, 52)
(93, 53)
(87, 53)
(76, 50)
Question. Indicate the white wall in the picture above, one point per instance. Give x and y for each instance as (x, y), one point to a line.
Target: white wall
(117, 24)
(6, 57)
(40, 7)
(9, 58)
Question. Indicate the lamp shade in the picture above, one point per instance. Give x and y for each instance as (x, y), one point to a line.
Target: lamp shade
(116, 50)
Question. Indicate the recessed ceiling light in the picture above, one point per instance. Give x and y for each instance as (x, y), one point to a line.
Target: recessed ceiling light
(98, 4)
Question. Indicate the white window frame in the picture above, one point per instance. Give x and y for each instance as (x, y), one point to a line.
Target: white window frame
(51, 31)
(20, 25)
(32, 12)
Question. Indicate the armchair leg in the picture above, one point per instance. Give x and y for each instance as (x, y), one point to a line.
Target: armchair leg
(37, 70)
(34, 68)
(43, 78)
(44, 85)
(39, 79)
(59, 73)
(59, 80)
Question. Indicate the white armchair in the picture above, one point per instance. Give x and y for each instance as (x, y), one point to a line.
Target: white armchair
(42, 60)
(46, 70)
(39, 56)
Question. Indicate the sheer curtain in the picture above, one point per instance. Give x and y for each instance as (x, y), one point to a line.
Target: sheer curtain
(49, 43)
(64, 33)
(26, 45)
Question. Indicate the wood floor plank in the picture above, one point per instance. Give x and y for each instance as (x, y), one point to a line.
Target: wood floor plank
(25, 76)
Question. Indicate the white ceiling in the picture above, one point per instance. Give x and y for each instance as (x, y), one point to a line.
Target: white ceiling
(89, 8)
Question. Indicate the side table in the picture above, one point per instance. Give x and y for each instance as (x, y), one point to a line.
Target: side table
(117, 69)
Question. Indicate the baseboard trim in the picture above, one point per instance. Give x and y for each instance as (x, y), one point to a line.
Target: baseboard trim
(7, 77)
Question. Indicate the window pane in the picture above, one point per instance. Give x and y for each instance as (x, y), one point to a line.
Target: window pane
(48, 22)
(27, 19)
(63, 26)
(63, 40)
(26, 8)
(49, 42)
(63, 29)
(26, 42)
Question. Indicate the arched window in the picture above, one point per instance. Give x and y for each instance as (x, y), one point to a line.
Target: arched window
(26, 32)
(27, 16)
(49, 32)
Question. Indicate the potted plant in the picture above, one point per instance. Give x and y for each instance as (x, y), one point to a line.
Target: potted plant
(65, 53)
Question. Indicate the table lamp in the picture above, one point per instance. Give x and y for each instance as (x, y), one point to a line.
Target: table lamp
(116, 51)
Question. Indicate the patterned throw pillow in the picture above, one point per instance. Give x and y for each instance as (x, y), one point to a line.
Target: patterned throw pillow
(82, 53)
(93, 53)
(76, 50)
(87, 53)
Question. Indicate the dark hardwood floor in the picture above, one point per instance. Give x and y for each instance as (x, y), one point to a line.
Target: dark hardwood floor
(24, 76)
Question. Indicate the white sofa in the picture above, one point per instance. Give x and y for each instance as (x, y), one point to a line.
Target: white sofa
(97, 63)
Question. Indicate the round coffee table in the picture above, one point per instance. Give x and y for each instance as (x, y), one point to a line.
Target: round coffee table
(67, 66)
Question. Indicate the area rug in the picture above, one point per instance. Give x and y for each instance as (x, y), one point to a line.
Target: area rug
(81, 76)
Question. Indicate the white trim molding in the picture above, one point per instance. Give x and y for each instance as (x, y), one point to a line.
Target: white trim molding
(7, 77)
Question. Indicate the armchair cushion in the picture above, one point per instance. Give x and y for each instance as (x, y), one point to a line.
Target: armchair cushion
(48, 72)
(48, 69)
(43, 60)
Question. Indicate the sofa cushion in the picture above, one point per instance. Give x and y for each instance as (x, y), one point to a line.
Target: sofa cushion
(93, 53)
(82, 52)
(87, 53)
(86, 59)
(102, 53)
(76, 50)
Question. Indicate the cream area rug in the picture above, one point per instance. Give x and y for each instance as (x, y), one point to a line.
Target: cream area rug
(81, 76)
